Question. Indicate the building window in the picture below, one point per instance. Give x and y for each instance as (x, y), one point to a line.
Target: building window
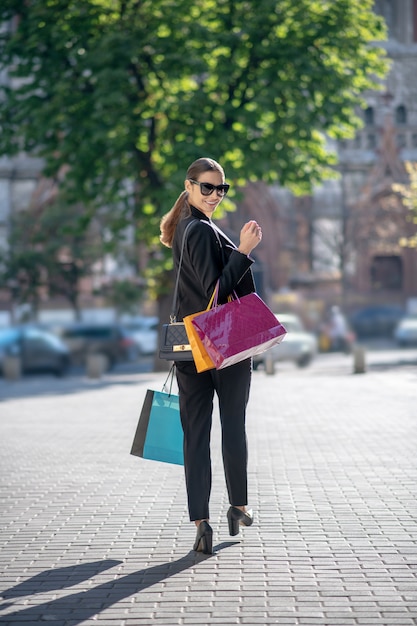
(387, 273)
(371, 141)
(414, 20)
(385, 9)
(401, 140)
(369, 116)
(401, 114)
(414, 140)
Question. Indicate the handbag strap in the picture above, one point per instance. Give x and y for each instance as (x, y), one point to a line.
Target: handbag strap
(175, 304)
(217, 231)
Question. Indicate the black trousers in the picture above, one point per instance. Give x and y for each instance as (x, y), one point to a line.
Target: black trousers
(196, 392)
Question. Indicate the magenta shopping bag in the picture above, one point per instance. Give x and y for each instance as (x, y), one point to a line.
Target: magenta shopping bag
(239, 329)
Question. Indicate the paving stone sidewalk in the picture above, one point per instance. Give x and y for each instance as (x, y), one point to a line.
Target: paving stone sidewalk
(91, 535)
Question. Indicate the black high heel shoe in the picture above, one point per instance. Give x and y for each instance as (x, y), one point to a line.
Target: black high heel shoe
(204, 539)
(235, 517)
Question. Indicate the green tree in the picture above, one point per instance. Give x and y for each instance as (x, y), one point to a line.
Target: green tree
(22, 263)
(128, 93)
(408, 194)
(124, 295)
(48, 255)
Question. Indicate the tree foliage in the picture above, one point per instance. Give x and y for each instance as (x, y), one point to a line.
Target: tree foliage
(21, 269)
(47, 255)
(127, 93)
(123, 295)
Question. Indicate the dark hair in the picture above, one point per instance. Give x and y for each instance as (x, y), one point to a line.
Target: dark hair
(181, 207)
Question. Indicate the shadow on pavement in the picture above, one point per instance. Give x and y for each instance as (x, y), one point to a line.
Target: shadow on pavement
(76, 381)
(74, 385)
(384, 366)
(82, 605)
(59, 578)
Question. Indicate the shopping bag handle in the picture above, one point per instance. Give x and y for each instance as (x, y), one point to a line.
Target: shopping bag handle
(169, 378)
(213, 302)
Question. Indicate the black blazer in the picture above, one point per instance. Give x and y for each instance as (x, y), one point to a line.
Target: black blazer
(208, 257)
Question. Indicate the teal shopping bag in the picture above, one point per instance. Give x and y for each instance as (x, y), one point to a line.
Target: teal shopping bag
(159, 435)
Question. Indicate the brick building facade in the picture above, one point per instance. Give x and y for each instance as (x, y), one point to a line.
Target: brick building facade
(342, 243)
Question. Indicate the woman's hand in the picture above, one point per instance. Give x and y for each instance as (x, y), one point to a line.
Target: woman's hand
(250, 237)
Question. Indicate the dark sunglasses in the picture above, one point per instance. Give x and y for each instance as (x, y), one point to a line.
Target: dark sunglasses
(207, 188)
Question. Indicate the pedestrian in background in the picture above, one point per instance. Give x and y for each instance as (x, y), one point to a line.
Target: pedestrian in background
(210, 257)
(338, 330)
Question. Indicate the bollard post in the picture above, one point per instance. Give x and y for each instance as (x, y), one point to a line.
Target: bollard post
(96, 365)
(12, 367)
(359, 361)
(269, 364)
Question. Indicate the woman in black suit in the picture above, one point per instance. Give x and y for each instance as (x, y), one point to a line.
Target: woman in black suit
(210, 257)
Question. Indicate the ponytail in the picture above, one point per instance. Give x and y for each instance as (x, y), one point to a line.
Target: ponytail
(170, 220)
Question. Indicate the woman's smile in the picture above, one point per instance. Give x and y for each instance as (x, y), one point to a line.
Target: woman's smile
(205, 204)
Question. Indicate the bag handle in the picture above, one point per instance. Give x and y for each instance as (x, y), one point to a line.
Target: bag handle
(214, 300)
(175, 304)
(169, 380)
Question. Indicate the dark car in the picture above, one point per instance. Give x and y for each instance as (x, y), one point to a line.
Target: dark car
(38, 350)
(110, 340)
(376, 321)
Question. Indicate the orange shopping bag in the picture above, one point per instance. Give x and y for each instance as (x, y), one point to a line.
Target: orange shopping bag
(201, 359)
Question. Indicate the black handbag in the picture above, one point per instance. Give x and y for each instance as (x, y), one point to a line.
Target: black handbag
(173, 343)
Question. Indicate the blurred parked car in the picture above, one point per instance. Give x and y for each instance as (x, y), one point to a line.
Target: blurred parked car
(376, 321)
(405, 333)
(144, 331)
(111, 340)
(299, 345)
(38, 350)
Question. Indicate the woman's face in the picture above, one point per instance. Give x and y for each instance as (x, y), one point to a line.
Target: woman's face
(206, 204)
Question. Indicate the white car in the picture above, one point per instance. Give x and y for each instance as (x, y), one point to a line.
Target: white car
(299, 345)
(405, 334)
(144, 332)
